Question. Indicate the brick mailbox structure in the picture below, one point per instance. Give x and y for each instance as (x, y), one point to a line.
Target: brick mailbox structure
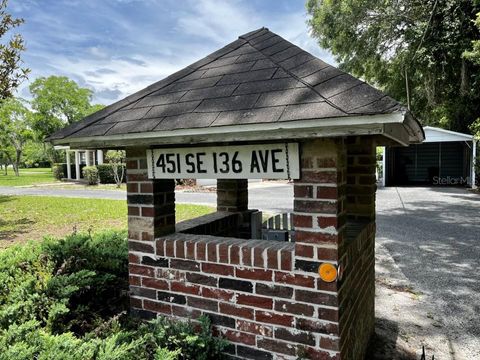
(314, 124)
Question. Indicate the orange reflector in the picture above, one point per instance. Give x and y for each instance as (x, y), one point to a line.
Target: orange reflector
(327, 272)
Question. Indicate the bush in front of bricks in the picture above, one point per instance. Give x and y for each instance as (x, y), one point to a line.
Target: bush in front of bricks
(90, 173)
(58, 170)
(68, 298)
(105, 173)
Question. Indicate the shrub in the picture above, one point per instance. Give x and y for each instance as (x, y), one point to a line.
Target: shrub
(58, 170)
(67, 299)
(105, 173)
(90, 173)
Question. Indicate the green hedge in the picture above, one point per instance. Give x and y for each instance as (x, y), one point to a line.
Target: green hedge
(90, 173)
(67, 299)
(59, 171)
(105, 173)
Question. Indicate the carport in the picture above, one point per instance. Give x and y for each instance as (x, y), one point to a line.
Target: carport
(444, 158)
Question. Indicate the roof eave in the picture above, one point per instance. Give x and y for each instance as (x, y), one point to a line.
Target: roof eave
(390, 125)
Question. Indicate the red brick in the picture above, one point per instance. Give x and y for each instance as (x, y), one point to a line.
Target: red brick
(223, 253)
(137, 177)
(132, 164)
(328, 314)
(319, 176)
(272, 258)
(317, 326)
(159, 307)
(254, 328)
(327, 192)
(324, 286)
(160, 245)
(180, 249)
(133, 259)
(273, 318)
(239, 337)
(294, 308)
(330, 221)
(315, 238)
(302, 221)
(136, 303)
(258, 259)
(303, 250)
(315, 297)
(286, 260)
(170, 248)
(186, 312)
(204, 304)
(317, 354)
(141, 270)
(329, 343)
(148, 211)
(133, 211)
(218, 294)
(155, 283)
(240, 311)
(294, 279)
(255, 301)
(134, 280)
(316, 206)
(146, 188)
(326, 162)
(132, 188)
(247, 256)
(212, 251)
(201, 251)
(190, 250)
(254, 274)
(217, 269)
(146, 236)
(235, 254)
(303, 191)
(184, 288)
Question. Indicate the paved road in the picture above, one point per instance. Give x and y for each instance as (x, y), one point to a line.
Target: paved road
(433, 235)
(271, 197)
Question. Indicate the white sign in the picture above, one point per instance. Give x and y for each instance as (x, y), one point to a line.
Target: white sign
(263, 161)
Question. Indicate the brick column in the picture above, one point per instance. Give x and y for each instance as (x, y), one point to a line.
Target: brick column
(232, 195)
(361, 180)
(319, 220)
(151, 213)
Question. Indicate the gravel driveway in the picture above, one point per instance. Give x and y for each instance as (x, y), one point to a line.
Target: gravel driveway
(433, 234)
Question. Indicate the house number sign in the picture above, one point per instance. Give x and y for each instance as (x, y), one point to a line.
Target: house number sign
(262, 161)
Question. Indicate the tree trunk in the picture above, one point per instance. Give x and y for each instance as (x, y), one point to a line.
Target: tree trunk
(18, 156)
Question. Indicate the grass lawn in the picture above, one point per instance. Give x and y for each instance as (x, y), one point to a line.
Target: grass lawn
(33, 217)
(27, 177)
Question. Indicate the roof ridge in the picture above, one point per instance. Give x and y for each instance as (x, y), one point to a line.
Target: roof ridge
(91, 120)
(289, 72)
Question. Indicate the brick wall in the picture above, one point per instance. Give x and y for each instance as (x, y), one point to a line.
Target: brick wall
(264, 296)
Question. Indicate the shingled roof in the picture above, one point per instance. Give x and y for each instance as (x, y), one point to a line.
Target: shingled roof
(258, 79)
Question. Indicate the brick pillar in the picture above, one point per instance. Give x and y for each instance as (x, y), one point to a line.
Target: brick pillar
(151, 213)
(361, 180)
(319, 220)
(232, 195)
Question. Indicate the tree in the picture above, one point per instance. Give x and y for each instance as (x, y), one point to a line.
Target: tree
(59, 101)
(116, 158)
(11, 71)
(397, 42)
(15, 130)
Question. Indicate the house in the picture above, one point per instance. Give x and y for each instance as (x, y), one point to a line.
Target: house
(81, 158)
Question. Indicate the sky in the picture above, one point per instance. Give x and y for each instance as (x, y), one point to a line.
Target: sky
(117, 47)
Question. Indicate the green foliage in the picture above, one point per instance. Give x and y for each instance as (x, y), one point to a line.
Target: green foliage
(58, 171)
(474, 53)
(105, 173)
(383, 41)
(12, 74)
(116, 158)
(66, 299)
(58, 101)
(15, 130)
(90, 173)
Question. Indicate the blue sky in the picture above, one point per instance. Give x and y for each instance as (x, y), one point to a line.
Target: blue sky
(116, 47)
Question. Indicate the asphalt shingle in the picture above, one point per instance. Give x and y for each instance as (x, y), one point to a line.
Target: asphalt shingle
(259, 78)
